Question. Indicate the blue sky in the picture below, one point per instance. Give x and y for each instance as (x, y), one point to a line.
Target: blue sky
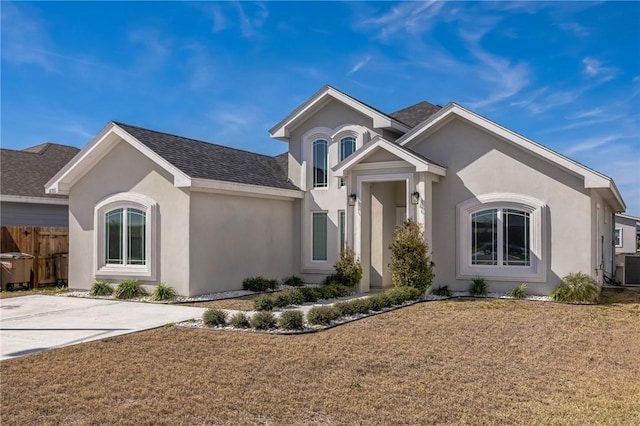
(565, 74)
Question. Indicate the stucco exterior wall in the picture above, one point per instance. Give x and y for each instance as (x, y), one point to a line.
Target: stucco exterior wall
(235, 237)
(628, 227)
(124, 169)
(479, 163)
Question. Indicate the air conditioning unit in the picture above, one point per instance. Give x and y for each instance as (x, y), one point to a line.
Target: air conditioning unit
(631, 272)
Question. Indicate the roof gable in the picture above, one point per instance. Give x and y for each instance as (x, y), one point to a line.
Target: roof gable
(421, 163)
(24, 173)
(416, 114)
(283, 129)
(592, 179)
(193, 163)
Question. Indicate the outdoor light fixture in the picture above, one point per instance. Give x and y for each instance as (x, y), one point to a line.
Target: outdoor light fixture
(415, 198)
(352, 199)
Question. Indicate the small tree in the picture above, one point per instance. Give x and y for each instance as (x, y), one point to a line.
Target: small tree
(348, 268)
(410, 265)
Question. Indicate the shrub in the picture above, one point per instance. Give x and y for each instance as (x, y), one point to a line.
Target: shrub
(322, 315)
(291, 320)
(259, 284)
(163, 292)
(361, 306)
(346, 308)
(519, 292)
(128, 289)
(478, 287)
(443, 291)
(239, 320)
(311, 294)
(296, 295)
(410, 265)
(348, 268)
(399, 295)
(214, 317)
(101, 288)
(331, 291)
(281, 299)
(263, 302)
(293, 281)
(380, 301)
(263, 320)
(576, 287)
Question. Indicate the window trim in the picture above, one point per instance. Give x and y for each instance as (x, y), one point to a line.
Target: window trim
(125, 200)
(620, 242)
(341, 142)
(536, 272)
(326, 236)
(325, 184)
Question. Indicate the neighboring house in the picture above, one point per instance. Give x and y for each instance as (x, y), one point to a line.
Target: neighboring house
(627, 234)
(202, 217)
(23, 201)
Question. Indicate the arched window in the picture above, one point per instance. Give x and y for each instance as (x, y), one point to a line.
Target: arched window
(502, 237)
(320, 163)
(125, 234)
(347, 147)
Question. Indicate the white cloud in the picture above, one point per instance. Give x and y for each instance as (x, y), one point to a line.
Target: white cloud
(25, 37)
(361, 63)
(594, 68)
(251, 22)
(590, 144)
(595, 112)
(152, 40)
(410, 17)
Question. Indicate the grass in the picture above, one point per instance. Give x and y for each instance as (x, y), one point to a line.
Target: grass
(467, 361)
(39, 290)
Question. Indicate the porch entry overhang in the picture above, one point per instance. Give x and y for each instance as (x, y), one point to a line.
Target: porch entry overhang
(386, 185)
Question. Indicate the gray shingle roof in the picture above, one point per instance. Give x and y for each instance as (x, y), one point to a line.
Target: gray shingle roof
(24, 173)
(204, 160)
(415, 114)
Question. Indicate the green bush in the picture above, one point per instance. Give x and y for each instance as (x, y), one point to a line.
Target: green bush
(380, 301)
(331, 291)
(322, 315)
(264, 302)
(576, 287)
(163, 292)
(239, 320)
(519, 292)
(101, 288)
(214, 317)
(361, 306)
(296, 295)
(442, 291)
(348, 268)
(263, 320)
(281, 299)
(311, 294)
(291, 320)
(399, 295)
(293, 281)
(410, 265)
(128, 289)
(346, 308)
(259, 284)
(478, 287)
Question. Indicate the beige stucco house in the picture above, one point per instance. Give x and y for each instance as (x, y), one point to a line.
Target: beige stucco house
(202, 217)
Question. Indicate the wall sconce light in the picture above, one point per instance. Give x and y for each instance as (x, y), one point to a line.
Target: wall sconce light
(352, 199)
(415, 198)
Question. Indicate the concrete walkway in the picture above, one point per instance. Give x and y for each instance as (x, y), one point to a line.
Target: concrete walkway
(30, 324)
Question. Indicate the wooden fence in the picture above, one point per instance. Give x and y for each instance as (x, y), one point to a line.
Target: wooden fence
(41, 242)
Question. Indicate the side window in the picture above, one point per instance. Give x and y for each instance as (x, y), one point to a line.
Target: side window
(320, 164)
(319, 224)
(347, 147)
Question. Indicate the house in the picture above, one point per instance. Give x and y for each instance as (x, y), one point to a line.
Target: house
(202, 217)
(23, 201)
(627, 234)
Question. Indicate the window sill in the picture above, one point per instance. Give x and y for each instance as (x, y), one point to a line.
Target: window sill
(142, 273)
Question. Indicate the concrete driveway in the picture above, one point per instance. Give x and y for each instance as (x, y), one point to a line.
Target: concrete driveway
(30, 324)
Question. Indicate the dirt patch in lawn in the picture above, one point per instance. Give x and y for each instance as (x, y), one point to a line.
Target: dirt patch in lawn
(448, 362)
(41, 290)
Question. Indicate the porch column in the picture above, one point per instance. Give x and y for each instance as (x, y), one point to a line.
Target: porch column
(425, 207)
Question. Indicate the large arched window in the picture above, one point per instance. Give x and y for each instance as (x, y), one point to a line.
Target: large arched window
(347, 147)
(125, 237)
(501, 237)
(320, 163)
